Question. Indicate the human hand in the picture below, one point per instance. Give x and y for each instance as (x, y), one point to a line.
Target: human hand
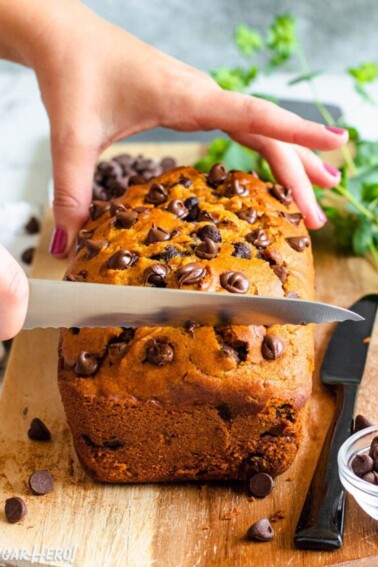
(100, 84)
(14, 293)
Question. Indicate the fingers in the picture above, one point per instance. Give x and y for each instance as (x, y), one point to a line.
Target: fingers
(14, 293)
(320, 173)
(235, 112)
(288, 169)
(73, 166)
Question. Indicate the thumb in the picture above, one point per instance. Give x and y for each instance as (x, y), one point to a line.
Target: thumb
(73, 166)
(14, 294)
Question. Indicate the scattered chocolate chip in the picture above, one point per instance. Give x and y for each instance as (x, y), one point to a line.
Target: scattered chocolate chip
(94, 247)
(126, 219)
(98, 208)
(117, 188)
(15, 509)
(33, 226)
(190, 274)
(362, 464)
(38, 431)
(361, 422)
(177, 208)
(157, 194)
(282, 194)
(167, 163)
(236, 188)
(168, 253)
(261, 530)
(122, 260)
(298, 243)
(28, 255)
(371, 477)
(191, 326)
(234, 282)
(271, 347)
(241, 250)
(210, 231)
(205, 216)
(191, 203)
(109, 171)
(258, 238)
(155, 275)
(99, 193)
(157, 234)
(137, 180)
(86, 364)
(159, 352)
(207, 250)
(281, 272)
(216, 175)
(249, 215)
(260, 485)
(294, 218)
(185, 182)
(41, 482)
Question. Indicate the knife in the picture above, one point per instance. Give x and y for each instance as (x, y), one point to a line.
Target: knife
(321, 523)
(67, 304)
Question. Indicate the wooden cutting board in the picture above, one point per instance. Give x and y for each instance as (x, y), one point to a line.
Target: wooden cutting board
(186, 525)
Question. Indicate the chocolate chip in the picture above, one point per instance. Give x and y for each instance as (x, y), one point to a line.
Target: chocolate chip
(371, 477)
(216, 175)
(260, 485)
(83, 236)
(38, 431)
(80, 277)
(15, 509)
(159, 352)
(205, 216)
(249, 215)
(167, 163)
(116, 351)
(41, 482)
(298, 243)
(191, 326)
(190, 274)
(157, 194)
(99, 193)
(191, 203)
(258, 238)
(373, 444)
(126, 219)
(210, 231)
(137, 180)
(271, 347)
(281, 272)
(228, 351)
(234, 282)
(155, 275)
(168, 253)
(109, 171)
(241, 250)
(86, 364)
(362, 464)
(207, 250)
(28, 255)
(282, 194)
(94, 247)
(116, 208)
(224, 412)
(33, 226)
(261, 530)
(361, 422)
(294, 218)
(177, 208)
(118, 188)
(236, 188)
(98, 208)
(122, 260)
(157, 234)
(185, 182)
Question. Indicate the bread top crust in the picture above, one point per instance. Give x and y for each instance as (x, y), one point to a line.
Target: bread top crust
(208, 365)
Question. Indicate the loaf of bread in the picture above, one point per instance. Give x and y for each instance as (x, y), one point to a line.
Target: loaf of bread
(168, 404)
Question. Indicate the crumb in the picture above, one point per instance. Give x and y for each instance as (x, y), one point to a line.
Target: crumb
(367, 340)
(289, 479)
(250, 499)
(206, 528)
(279, 515)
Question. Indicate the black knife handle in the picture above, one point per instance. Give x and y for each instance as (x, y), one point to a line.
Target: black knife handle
(321, 523)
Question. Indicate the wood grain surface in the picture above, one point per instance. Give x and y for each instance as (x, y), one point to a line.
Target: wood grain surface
(187, 525)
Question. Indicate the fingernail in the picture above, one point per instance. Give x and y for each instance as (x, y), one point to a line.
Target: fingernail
(58, 242)
(331, 170)
(335, 130)
(321, 215)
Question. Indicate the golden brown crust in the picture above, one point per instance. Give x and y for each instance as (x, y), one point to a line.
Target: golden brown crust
(241, 369)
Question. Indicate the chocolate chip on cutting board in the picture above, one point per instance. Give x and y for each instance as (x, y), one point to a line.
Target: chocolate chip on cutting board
(41, 482)
(261, 530)
(15, 509)
(260, 485)
(38, 431)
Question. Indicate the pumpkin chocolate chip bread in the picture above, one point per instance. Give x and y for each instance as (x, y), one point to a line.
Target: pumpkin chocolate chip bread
(168, 404)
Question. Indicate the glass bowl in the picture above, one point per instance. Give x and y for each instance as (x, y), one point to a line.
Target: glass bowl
(365, 494)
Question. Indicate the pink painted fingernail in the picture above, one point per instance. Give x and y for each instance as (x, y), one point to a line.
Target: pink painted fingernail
(331, 170)
(58, 242)
(321, 215)
(335, 130)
